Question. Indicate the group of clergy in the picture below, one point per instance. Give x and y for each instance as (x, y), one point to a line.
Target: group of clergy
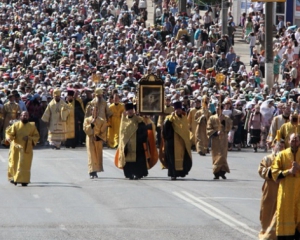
(280, 203)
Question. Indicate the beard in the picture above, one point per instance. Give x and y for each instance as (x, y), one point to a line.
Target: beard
(24, 121)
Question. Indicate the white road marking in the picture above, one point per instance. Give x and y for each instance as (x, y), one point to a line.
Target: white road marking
(48, 210)
(36, 196)
(2, 159)
(62, 227)
(230, 198)
(231, 222)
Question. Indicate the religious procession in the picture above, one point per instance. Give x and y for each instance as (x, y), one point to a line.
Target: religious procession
(95, 75)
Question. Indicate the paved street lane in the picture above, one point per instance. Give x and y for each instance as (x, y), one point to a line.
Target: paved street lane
(63, 203)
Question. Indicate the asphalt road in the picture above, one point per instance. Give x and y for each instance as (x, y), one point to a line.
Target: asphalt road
(63, 203)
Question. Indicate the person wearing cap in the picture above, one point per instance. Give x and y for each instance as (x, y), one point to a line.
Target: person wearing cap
(277, 122)
(132, 153)
(23, 136)
(285, 170)
(114, 121)
(101, 104)
(287, 129)
(269, 193)
(201, 118)
(218, 127)
(192, 122)
(56, 115)
(177, 144)
(74, 121)
(11, 111)
(95, 130)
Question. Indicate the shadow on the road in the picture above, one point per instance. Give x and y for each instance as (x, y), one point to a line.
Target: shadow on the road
(52, 184)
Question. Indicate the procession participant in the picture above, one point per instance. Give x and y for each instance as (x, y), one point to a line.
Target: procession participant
(289, 128)
(95, 129)
(56, 115)
(192, 122)
(11, 111)
(101, 104)
(117, 110)
(178, 155)
(23, 136)
(267, 110)
(277, 122)
(218, 126)
(132, 153)
(255, 126)
(201, 117)
(286, 170)
(167, 110)
(74, 120)
(269, 194)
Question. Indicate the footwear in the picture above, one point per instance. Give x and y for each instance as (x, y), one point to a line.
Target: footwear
(91, 175)
(95, 175)
(207, 151)
(24, 184)
(131, 177)
(173, 178)
(222, 174)
(12, 181)
(202, 154)
(216, 176)
(255, 149)
(136, 178)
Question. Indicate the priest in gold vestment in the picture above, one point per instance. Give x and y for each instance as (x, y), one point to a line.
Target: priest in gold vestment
(269, 194)
(287, 129)
(286, 171)
(177, 148)
(11, 111)
(192, 122)
(117, 109)
(95, 129)
(201, 118)
(56, 115)
(132, 152)
(23, 136)
(218, 127)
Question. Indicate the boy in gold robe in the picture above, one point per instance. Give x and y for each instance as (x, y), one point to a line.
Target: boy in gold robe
(286, 170)
(23, 136)
(192, 122)
(177, 149)
(218, 127)
(95, 129)
(114, 121)
(56, 115)
(201, 118)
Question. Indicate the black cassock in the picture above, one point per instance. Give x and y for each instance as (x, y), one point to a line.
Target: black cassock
(78, 117)
(139, 168)
(168, 135)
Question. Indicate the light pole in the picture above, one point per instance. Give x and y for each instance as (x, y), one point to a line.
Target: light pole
(225, 6)
(269, 43)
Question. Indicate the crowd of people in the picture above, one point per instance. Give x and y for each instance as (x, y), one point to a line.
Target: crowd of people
(69, 74)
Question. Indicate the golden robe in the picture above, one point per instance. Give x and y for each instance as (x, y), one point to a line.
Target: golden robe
(202, 141)
(94, 146)
(219, 144)
(276, 124)
(288, 198)
(21, 152)
(178, 155)
(10, 112)
(268, 200)
(286, 130)
(192, 125)
(114, 124)
(103, 109)
(132, 153)
(56, 115)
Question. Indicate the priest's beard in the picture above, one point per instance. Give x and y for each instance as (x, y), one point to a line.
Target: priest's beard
(24, 121)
